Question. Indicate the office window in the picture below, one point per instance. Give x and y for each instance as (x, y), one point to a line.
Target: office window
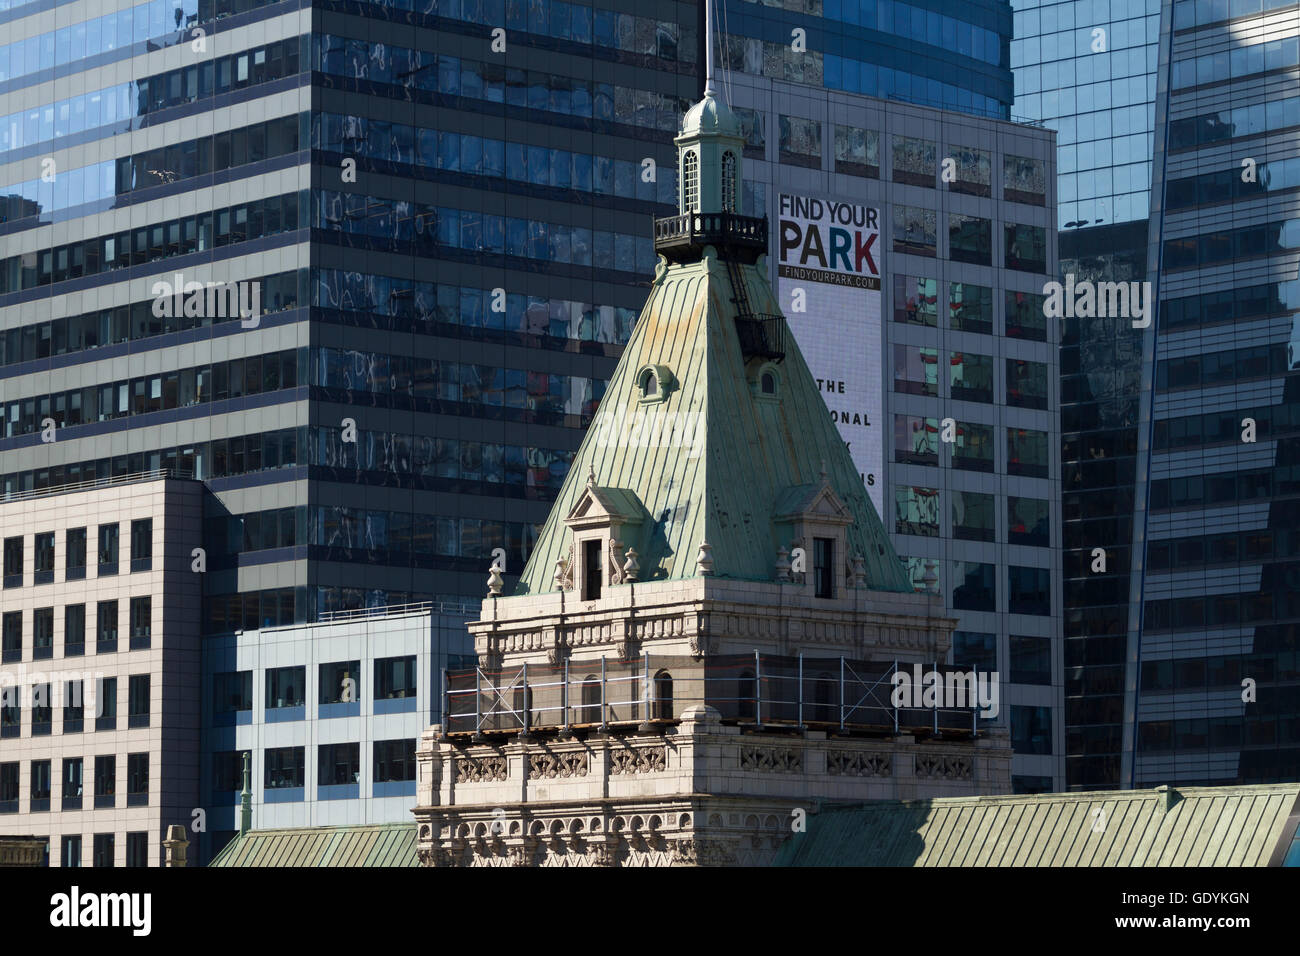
(105, 780)
(141, 622)
(974, 171)
(106, 703)
(74, 630)
(108, 534)
(106, 627)
(137, 780)
(286, 687)
(916, 440)
(142, 544)
(12, 636)
(74, 546)
(394, 677)
(42, 782)
(340, 682)
(71, 783)
(9, 787)
(1025, 319)
(70, 851)
(228, 770)
(11, 715)
(74, 708)
(1031, 660)
(974, 650)
(1027, 452)
(916, 300)
(1026, 384)
(973, 517)
(138, 700)
(1024, 180)
(916, 511)
(970, 307)
(915, 230)
(1030, 590)
(1028, 522)
(232, 691)
(103, 850)
(973, 448)
(339, 764)
(922, 572)
(801, 142)
(44, 571)
(857, 151)
(284, 768)
(970, 239)
(137, 849)
(13, 575)
(970, 377)
(42, 710)
(394, 760)
(1025, 248)
(1031, 730)
(916, 370)
(824, 567)
(43, 632)
(975, 586)
(914, 161)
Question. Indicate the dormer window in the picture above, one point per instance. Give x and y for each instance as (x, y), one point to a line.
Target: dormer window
(653, 383)
(767, 383)
(592, 572)
(691, 181)
(729, 181)
(824, 567)
(649, 385)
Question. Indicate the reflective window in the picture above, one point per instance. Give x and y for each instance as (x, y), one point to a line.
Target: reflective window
(1025, 180)
(970, 377)
(916, 370)
(1024, 316)
(914, 161)
(916, 300)
(973, 448)
(1026, 383)
(917, 511)
(970, 239)
(975, 650)
(974, 586)
(973, 517)
(801, 142)
(1030, 590)
(1025, 248)
(1027, 452)
(1028, 521)
(970, 307)
(974, 171)
(915, 230)
(857, 151)
(916, 440)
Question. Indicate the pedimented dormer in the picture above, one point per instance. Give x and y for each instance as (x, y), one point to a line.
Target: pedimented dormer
(600, 522)
(815, 521)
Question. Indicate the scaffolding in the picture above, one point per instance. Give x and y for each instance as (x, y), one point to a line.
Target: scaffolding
(834, 694)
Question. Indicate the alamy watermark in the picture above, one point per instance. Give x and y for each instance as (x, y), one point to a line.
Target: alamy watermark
(212, 300)
(1085, 300)
(654, 427)
(951, 690)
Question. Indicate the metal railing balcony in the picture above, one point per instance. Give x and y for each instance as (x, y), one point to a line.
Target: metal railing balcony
(762, 335)
(685, 236)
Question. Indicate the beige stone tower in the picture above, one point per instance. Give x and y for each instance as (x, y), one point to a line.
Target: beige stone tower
(702, 648)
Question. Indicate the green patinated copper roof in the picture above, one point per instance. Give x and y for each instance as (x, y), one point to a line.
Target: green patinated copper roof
(1203, 826)
(749, 454)
(387, 844)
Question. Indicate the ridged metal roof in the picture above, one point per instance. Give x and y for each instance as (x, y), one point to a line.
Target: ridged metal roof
(1193, 826)
(388, 844)
(753, 449)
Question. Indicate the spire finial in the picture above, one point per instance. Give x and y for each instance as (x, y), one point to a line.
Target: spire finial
(708, 47)
(591, 475)
(824, 479)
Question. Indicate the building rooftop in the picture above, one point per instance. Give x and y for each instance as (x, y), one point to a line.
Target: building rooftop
(385, 844)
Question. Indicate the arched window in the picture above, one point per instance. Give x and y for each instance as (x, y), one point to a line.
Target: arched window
(745, 692)
(729, 181)
(691, 182)
(649, 383)
(769, 383)
(590, 713)
(663, 703)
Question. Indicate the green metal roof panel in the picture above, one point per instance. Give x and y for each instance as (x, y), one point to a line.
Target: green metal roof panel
(748, 452)
(1205, 826)
(388, 844)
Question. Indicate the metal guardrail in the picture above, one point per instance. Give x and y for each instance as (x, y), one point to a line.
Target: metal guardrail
(762, 335)
(384, 610)
(710, 228)
(97, 483)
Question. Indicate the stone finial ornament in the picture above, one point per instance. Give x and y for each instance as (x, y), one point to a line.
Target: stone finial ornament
(704, 563)
(859, 572)
(494, 581)
(561, 574)
(631, 567)
(783, 564)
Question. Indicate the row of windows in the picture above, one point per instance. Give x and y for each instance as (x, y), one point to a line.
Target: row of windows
(1218, 733)
(428, 149)
(164, 240)
(104, 795)
(1226, 489)
(1216, 368)
(1225, 610)
(70, 845)
(400, 538)
(970, 239)
(1228, 305)
(1247, 547)
(165, 165)
(970, 376)
(249, 610)
(917, 440)
(1271, 422)
(1233, 121)
(426, 227)
(183, 388)
(1244, 59)
(918, 23)
(114, 105)
(1031, 657)
(70, 697)
(1219, 671)
(970, 308)
(1029, 590)
(917, 512)
(107, 619)
(340, 683)
(338, 764)
(365, 67)
(75, 553)
(1194, 13)
(1226, 185)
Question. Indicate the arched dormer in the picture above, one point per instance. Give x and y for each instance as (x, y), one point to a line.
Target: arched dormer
(730, 181)
(690, 179)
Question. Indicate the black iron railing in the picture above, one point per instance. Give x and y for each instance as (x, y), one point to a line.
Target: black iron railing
(694, 231)
(761, 335)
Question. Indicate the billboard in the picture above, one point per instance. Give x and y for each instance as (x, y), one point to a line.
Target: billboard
(828, 278)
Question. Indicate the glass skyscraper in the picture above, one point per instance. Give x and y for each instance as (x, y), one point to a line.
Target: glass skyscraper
(450, 239)
(1215, 670)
